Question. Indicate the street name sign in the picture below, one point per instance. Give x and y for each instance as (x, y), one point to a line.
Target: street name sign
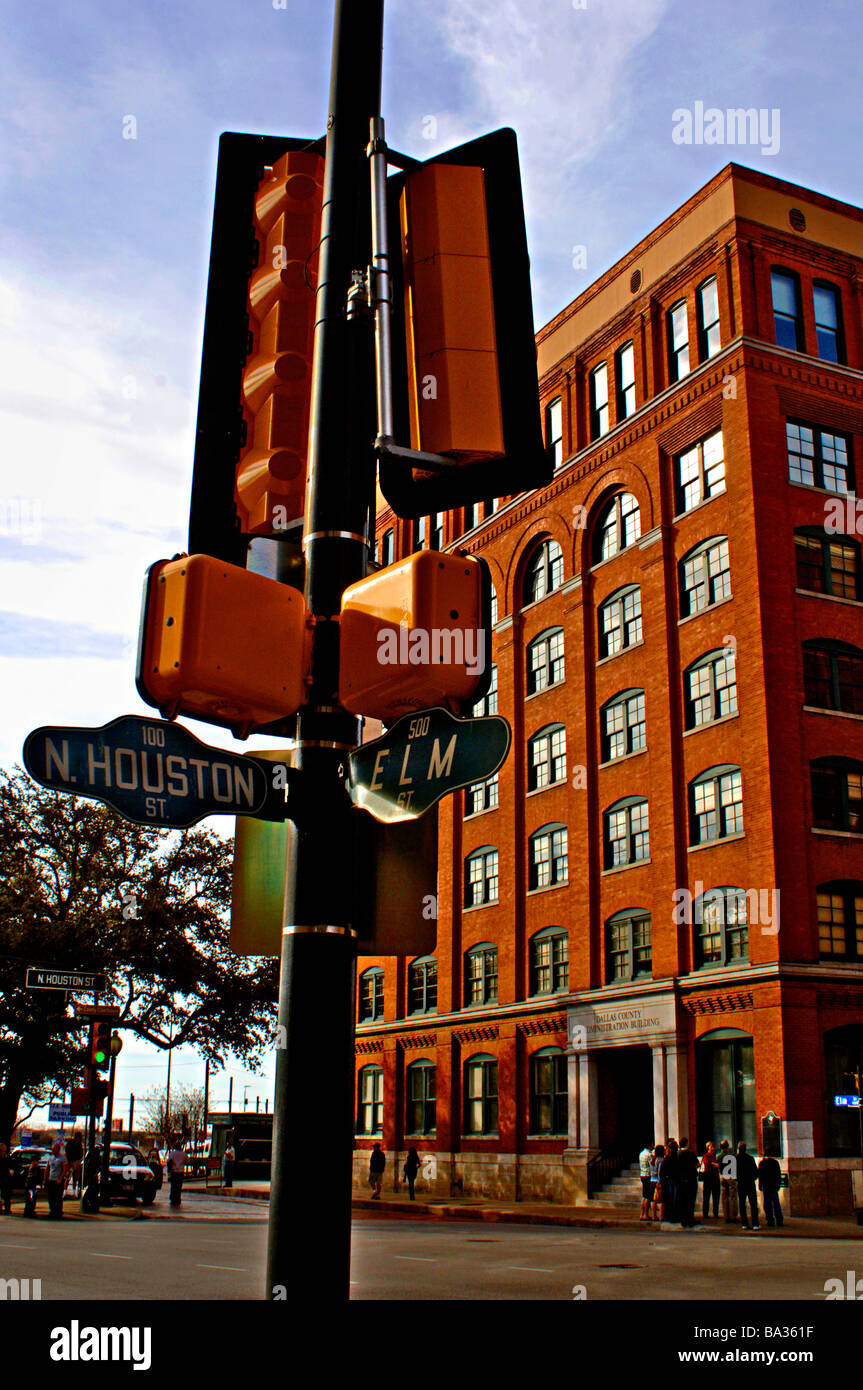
(37, 978)
(423, 757)
(852, 1101)
(152, 772)
(96, 1010)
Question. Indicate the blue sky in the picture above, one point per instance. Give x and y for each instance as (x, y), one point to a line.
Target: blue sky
(104, 241)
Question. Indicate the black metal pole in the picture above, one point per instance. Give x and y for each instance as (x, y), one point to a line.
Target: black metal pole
(309, 1243)
(105, 1178)
(89, 1175)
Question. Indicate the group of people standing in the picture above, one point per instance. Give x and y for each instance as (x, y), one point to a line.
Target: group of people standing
(671, 1172)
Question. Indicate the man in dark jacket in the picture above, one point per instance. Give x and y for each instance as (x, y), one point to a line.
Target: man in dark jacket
(747, 1172)
(770, 1180)
(687, 1183)
(668, 1172)
(377, 1164)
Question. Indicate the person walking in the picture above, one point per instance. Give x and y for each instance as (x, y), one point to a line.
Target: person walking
(412, 1167)
(74, 1158)
(55, 1184)
(770, 1181)
(710, 1177)
(645, 1159)
(655, 1164)
(228, 1164)
(728, 1181)
(176, 1170)
(668, 1171)
(5, 1180)
(377, 1164)
(747, 1172)
(687, 1184)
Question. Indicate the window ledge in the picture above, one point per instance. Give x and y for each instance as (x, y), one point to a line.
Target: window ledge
(835, 713)
(709, 608)
(614, 655)
(843, 834)
(831, 598)
(557, 1135)
(548, 887)
(537, 791)
(486, 811)
(711, 724)
(477, 907)
(622, 868)
(814, 487)
(624, 758)
(681, 516)
(721, 840)
(535, 694)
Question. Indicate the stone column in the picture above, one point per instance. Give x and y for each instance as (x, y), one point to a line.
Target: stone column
(661, 1128)
(677, 1093)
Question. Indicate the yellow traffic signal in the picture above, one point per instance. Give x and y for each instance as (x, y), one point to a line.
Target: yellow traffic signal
(222, 644)
(271, 473)
(416, 634)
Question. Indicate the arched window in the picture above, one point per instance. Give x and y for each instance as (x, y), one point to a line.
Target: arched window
(705, 576)
(480, 877)
(678, 341)
(549, 961)
(619, 526)
(547, 857)
(626, 835)
(422, 986)
(833, 676)
(480, 1094)
(544, 572)
(710, 688)
(545, 660)
(622, 726)
(420, 1089)
(480, 964)
(721, 927)
(716, 805)
(549, 1092)
(628, 949)
(827, 564)
(620, 621)
(707, 314)
(725, 1088)
(546, 757)
(371, 994)
(370, 1101)
(837, 794)
(840, 920)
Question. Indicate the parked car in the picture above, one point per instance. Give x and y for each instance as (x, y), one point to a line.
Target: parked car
(130, 1175)
(21, 1157)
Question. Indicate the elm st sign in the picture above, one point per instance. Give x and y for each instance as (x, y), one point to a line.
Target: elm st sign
(152, 772)
(422, 758)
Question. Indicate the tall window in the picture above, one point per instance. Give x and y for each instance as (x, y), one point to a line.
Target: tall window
(493, 618)
(818, 458)
(482, 796)
(705, 576)
(481, 974)
(549, 1092)
(422, 986)
(626, 835)
(544, 572)
(619, 526)
(837, 794)
(716, 805)
(707, 314)
(545, 660)
(387, 548)
(700, 472)
(678, 341)
(480, 1091)
(628, 950)
(710, 688)
(549, 961)
(827, 564)
(828, 321)
(418, 535)
(546, 757)
(787, 313)
(833, 676)
(548, 857)
(554, 431)
(840, 920)
(599, 401)
(472, 515)
(721, 928)
(620, 621)
(436, 531)
(421, 1077)
(370, 1101)
(488, 703)
(624, 370)
(371, 994)
(480, 878)
(622, 725)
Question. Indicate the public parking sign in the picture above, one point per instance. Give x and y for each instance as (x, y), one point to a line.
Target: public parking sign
(59, 1114)
(152, 772)
(423, 757)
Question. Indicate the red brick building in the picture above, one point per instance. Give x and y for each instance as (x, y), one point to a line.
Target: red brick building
(651, 921)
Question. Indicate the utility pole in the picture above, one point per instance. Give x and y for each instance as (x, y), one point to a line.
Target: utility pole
(309, 1246)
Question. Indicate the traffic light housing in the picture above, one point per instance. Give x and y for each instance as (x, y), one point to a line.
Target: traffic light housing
(440, 217)
(416, 634)
(100, 1044)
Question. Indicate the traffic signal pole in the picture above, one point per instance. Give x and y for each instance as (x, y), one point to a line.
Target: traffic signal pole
(309, 1240)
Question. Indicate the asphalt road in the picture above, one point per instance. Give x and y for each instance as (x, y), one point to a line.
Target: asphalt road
(224, 1258)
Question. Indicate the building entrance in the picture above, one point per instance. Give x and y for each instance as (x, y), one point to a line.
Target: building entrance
(624, 1079)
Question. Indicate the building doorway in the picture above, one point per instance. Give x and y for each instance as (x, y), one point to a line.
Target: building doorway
(843, 1059)
(725, 1086)
(624, 1079)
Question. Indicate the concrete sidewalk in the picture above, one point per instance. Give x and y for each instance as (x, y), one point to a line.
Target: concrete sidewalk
(548, 1214)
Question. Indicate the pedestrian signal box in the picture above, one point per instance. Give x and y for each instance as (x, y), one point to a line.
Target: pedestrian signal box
(416, 634)
(222, 644)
